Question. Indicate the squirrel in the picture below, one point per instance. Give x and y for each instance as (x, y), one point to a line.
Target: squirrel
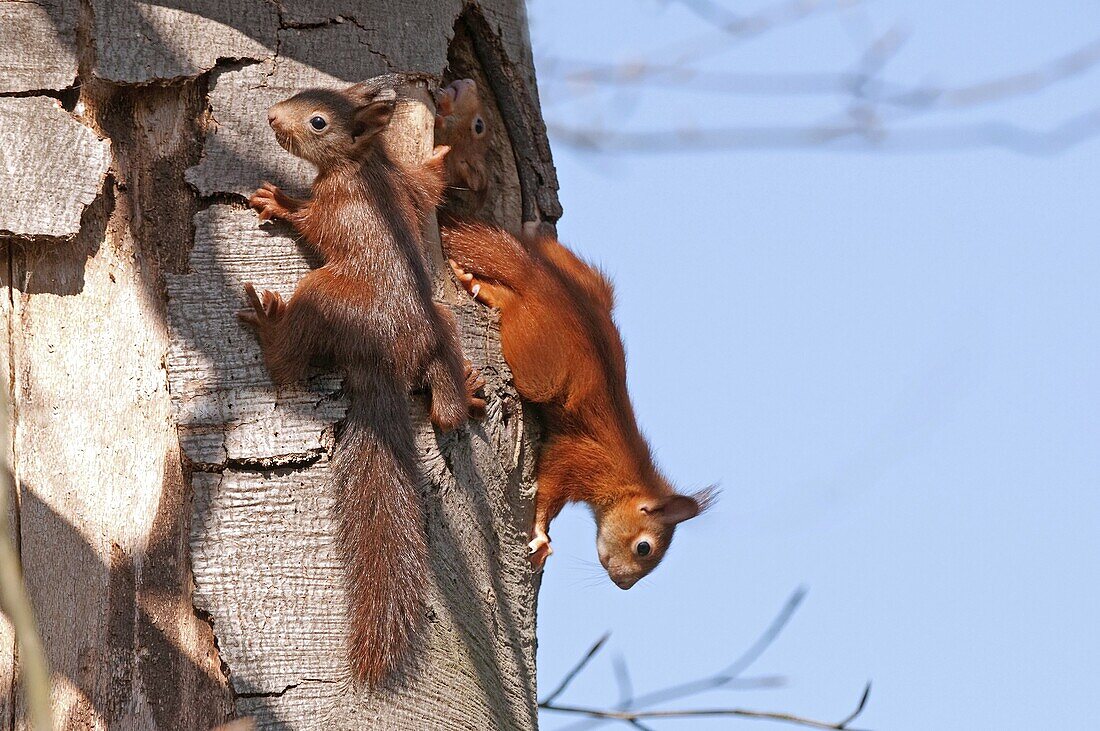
(369, 310)
(459, 116)
(566, 357)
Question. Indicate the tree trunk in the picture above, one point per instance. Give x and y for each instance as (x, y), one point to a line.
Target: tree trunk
(171, 506)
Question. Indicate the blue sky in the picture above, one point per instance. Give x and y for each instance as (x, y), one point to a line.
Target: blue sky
(889, 360)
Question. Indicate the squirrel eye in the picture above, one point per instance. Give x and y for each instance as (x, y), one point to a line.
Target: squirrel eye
(643, 548)
(318, 123)
(479, 126)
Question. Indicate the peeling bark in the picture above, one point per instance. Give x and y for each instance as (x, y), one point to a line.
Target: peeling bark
(37, 44)
(172, 505)
(54, 168)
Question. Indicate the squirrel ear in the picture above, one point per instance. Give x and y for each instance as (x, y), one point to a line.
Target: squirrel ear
(678, 508)
(372, 117)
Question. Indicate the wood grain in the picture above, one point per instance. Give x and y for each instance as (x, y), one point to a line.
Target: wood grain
(38, 44)
(51, 168)
(140, 42)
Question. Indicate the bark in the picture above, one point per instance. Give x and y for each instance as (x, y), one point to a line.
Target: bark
(171, 506)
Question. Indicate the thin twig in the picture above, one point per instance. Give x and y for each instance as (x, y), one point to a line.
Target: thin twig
(1061, 68)
(767, 637)
(622, 678)
(631, 716)
(851, 137)
(738, 30)
(859, 708)
(630, 708)
(732, 671)
(576, 670)
(863, 127)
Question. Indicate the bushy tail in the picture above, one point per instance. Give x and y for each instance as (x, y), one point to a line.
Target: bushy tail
(381, 529)
(489, 252)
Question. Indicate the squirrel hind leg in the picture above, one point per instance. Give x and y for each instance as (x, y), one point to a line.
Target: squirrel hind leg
(449, 408)
(448, 376)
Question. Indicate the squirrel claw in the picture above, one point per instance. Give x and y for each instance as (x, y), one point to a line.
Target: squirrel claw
(248, 317)
(472, 285)
(266, 309)
(474, 382)
(266, 202)
(539, 550)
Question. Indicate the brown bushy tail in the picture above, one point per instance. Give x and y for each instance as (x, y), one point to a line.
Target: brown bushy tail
(381, 532)
(489, 252)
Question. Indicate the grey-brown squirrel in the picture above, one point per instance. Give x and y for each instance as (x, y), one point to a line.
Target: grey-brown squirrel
(369, 310)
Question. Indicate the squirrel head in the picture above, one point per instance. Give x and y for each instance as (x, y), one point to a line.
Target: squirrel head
(634, 533)
(328, 127)
(460, 123)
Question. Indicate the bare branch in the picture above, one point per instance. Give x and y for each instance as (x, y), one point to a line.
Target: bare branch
(767, 637)
(727, 677)
(633, 716)
(1075, 63)
(622, 678)
(739, 28)
(731, 672)
(863, 126)
(630, 708)
(859, 708)
(862, 135)
(875, 59)
(1062, 68)
(735, 30)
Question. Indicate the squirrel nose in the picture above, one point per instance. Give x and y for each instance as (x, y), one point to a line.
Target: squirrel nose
(271, 117)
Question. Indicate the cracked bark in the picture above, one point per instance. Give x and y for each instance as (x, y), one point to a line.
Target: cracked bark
(171, 507)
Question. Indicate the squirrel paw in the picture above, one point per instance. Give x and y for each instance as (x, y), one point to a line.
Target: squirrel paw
(539, 550)
(264, 312)
(474, 383)
(438, 153)
(470, 283)
(267, 204)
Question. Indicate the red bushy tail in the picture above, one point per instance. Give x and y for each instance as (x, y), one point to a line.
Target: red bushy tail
(381, 532)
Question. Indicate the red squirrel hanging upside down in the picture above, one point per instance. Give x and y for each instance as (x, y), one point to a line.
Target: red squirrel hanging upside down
(369, 309)
(566, 357)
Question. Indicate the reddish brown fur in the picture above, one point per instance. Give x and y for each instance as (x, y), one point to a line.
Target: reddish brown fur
(460, 122)
(566, 355)
(369, 309)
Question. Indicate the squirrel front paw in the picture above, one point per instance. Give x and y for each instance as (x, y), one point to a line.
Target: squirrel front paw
(264, 312)
(539, 549)
(268, 201)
